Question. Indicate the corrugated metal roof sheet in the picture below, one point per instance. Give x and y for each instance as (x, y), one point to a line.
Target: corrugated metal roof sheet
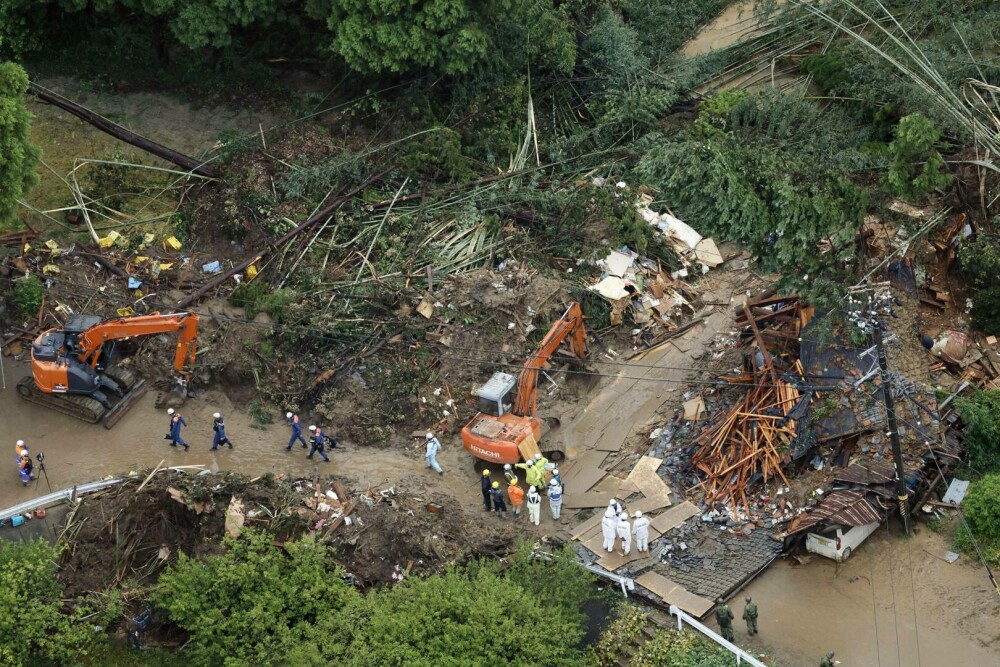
(866, 473)
(844, 508)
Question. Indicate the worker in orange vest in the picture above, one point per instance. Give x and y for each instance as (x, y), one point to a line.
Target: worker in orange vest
(516, 495)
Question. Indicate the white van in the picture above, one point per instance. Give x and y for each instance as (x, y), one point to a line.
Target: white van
(838, 542)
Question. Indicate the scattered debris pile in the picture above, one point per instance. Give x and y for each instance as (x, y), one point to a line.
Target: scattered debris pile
(752, 439)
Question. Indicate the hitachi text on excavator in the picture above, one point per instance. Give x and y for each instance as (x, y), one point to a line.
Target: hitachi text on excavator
(504, 421)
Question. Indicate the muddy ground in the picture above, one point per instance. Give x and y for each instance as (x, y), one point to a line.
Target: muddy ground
(895, 603)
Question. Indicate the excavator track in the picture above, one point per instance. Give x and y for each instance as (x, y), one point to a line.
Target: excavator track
(79, 407)
(85, 408)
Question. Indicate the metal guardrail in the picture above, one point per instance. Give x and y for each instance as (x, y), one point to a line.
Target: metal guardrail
(624, 583)
(58, 496)
(741, 655)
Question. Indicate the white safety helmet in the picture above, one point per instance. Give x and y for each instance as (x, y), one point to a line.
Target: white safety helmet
(538, 457)
(170, 411)
(20, 443)
(553, 482)
(288, 415)
(216, 415)
(555, 471)
(532, 490)
(506, 466)
(611, 503)
(429, 435)
(638, 514)
(312, 428)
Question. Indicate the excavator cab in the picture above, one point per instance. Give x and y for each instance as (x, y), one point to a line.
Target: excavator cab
(496, 397)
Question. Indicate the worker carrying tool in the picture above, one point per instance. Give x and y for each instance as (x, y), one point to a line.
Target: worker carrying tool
(318, 439)
(24, 468)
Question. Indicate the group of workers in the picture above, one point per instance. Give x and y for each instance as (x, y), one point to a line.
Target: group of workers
(616, 526)
(219, 436)
(318, 440)
(724, 617)
(540, 476)
(24, 464)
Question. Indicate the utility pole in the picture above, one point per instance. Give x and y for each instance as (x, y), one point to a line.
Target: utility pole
(890, 412)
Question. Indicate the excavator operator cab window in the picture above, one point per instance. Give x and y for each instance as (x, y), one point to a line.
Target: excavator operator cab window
(496, 396)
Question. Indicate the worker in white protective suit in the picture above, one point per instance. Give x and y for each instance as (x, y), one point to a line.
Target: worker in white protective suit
(608, 524)
(615, 506)
(625, 533)
(640, 528)
(534, 503)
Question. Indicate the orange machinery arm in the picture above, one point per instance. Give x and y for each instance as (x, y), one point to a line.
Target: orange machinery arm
(91, 340)
(569, 325)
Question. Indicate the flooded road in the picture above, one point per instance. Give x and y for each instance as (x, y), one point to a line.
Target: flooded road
(895, 603)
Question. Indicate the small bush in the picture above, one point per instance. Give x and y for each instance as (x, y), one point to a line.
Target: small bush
(981, 414)
(914, 145)
(982, 507)
(27, 296)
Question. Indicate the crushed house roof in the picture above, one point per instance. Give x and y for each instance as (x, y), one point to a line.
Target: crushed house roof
(844, 507)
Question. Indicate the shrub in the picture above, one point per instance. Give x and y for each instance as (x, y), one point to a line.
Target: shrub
(916, 164)
(27, 296)
(35, 630)
(981, 414)
(18, 156)
(981, 507)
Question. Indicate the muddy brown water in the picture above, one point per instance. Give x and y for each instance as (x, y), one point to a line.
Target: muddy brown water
(895, 603)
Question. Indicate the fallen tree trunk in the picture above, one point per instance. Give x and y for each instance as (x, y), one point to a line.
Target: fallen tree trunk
(329, 210)
(117, 131)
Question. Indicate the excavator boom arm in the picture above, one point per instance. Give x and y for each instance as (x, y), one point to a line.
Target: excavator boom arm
(91, 340)
(571, 326)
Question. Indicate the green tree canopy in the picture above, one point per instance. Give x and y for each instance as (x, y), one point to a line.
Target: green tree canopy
(257, 601)
(18, 157)
(34, 629)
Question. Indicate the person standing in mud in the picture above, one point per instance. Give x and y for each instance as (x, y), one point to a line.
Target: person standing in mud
(534, 506)
(486, 486)
(497, 495)
(750, 616)
(516, 495)
(431, 452)
(318, 439)
(555, 499)
(176, 421)
(724, 617)
(827, 660)
(296, 425)
(220, 432)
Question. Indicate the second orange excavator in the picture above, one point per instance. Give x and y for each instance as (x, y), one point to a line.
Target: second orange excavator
(72, 372)
(504, 422)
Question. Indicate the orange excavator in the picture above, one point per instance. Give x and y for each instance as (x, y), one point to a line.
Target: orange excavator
(72, 372)
(504, 421)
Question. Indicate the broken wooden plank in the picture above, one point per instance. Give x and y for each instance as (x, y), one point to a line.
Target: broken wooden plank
(582, 482)
(673, 593)
(674, 516)
(582, 500)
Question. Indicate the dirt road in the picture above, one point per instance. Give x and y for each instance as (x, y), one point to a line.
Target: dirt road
(864, 609)
(76, 452)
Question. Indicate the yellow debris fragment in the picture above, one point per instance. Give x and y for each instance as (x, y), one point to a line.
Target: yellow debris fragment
(252, 271)
(109, 240)
(51, 245)
(125, 312)
(50, 269)
(174, 243)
